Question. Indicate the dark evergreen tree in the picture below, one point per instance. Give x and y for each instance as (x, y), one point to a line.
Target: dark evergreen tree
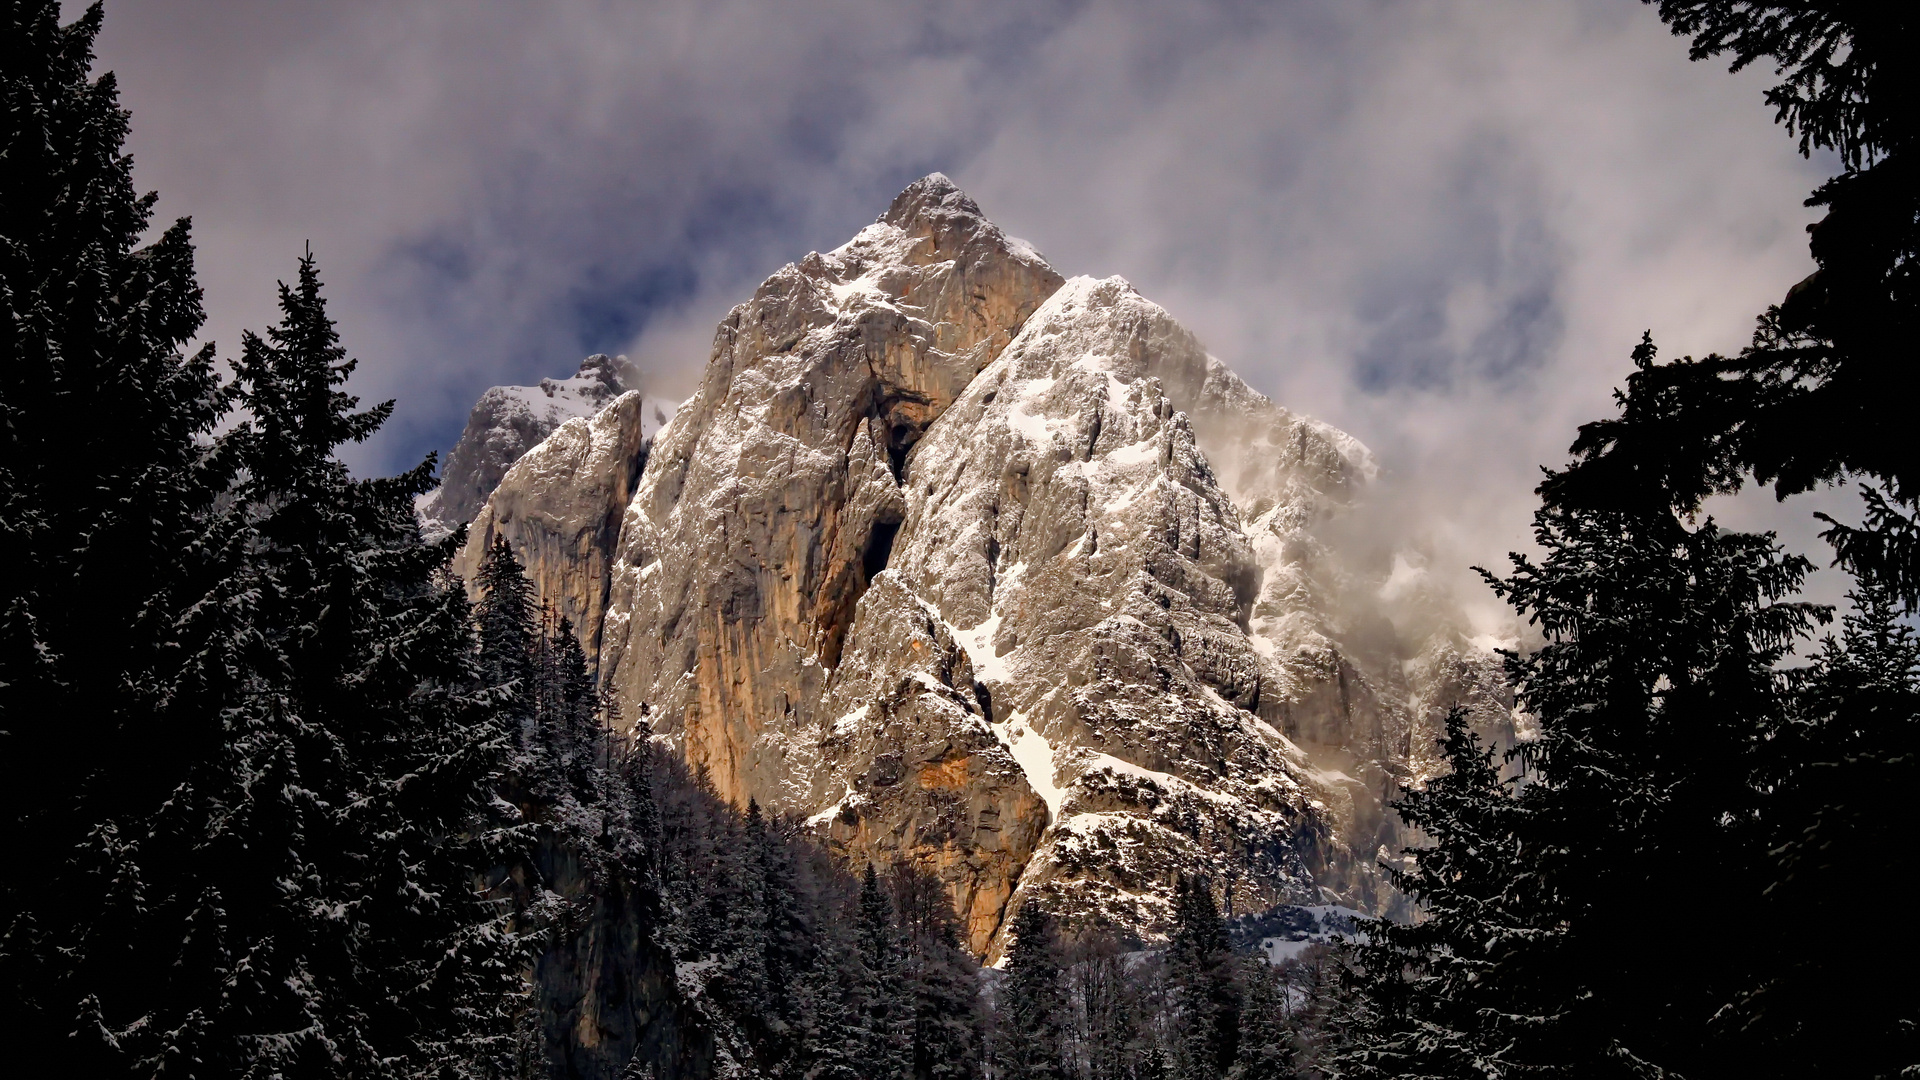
(264, 861)
(1268, 1048)
(1819, 394)
(788, 939)
(1656, 695)
(831, 1025)
(363, 754)
(1442, 996)
(1201, 969)
(886, 1012)
(504, 620)
(739, 983)
(1030, 1006)
(1840, 775)
(115, 618)
(942, 980)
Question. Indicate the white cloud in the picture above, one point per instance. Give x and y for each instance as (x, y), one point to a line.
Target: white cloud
(1440, 226)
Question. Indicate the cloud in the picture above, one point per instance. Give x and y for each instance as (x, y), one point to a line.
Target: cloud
(1439, 226)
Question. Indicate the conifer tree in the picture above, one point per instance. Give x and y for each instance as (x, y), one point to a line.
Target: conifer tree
(942, 981)
(832, 1028)
(114, 616)
(1819, 394)
(1432, 998)
(886, 1021)
(1201, 967)
(1267, 1048)
(1841, 772)
(1030, 1028)
(1656, 694)
(368, 713)
(504, 618)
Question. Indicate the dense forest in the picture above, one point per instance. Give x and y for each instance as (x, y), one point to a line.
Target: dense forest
(283, 802)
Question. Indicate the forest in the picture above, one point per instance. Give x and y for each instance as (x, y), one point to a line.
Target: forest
(284, 802)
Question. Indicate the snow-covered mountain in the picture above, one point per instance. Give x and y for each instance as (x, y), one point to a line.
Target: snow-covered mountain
(1001, 573)
(508, 421)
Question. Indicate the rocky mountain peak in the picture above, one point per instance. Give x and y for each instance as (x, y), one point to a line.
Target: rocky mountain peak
(999, 573)
(509, 421)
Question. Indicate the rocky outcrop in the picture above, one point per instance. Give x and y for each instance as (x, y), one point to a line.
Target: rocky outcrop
(560, 507)
(508, 421)
(1004, 575)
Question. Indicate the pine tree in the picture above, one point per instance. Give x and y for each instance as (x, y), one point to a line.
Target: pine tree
(115, 616)
(886, 1016)
(1201, 967)
(574, 723)
(1030, 1027)
(1267, 1048)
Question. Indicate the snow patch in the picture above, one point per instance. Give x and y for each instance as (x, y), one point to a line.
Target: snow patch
(1135, 453)
(1034, 754)
(850, 723)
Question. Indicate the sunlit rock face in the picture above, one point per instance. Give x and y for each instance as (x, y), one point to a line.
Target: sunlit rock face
(1002, 574)
(508, 421)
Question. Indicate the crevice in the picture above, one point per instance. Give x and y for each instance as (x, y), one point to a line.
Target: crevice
(874, 556)
(879, 548)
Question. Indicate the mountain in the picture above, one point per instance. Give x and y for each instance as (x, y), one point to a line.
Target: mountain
(1002, 574)
(508, 421)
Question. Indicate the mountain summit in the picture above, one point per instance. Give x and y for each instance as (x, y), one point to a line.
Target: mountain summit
(1000, 573)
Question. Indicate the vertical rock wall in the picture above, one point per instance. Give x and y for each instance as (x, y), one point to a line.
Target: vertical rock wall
(1000, 574)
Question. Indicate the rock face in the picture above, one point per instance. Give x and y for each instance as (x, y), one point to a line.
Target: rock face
(560, 507)
(1004, 575)
(508, 421)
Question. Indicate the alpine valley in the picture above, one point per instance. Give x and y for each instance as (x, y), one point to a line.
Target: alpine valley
(998, 574)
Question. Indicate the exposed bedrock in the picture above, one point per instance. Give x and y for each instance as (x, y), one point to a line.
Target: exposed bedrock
(1004, 575)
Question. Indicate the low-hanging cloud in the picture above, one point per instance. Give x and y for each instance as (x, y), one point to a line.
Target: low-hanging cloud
(1438, 226)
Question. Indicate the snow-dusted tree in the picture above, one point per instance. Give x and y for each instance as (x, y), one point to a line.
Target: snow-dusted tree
(1030, 1005)
(1840, 775)
(1201, 970)
(1269, 1047)
(1656, 695)
(354, 810)
(109, 474)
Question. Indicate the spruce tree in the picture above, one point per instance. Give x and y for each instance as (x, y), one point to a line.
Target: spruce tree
(1267, 1047)
(886, 1013)
(1201, 968)
(115, 616)
(1029, 1032)
(942, 980)
(1819, 394)
(1442, 996)
(832, 1028)
(369, 717)
(504, 621)
(1840, 772)
(1656, 695)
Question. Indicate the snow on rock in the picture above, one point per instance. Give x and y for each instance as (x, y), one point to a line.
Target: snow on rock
(508, 421)
(967, 565)
(560, 505)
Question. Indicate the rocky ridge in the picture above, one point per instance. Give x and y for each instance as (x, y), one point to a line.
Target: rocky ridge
(1003, 574)
(508, 421)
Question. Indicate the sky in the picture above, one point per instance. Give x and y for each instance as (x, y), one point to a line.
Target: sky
(1439, 226)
